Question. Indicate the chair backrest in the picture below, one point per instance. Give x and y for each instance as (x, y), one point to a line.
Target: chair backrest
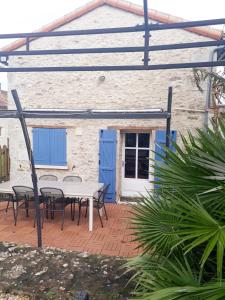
(48, 177)
(102, 193)
(72, 178)
(52, 194)
(23, 192)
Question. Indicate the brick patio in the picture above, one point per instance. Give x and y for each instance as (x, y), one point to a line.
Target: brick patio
(114, 239)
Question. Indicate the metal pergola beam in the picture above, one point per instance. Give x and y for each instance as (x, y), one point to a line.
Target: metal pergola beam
(203, 64)
(146, 35)
(137, 28)
(21, 117)
(83, 115)
(168, 121)
(113, 49)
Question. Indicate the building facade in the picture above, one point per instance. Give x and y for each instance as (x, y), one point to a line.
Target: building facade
(116, 150)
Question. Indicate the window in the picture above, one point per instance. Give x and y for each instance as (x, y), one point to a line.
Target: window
(49, 146)
(137, 155)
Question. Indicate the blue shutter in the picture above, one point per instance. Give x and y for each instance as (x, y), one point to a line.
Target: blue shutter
(57, 149)
(160, 142)
(49, 146)
(107, 162)
(41, 146)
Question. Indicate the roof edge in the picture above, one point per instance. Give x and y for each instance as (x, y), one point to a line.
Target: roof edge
(123, 5)
(75, 14)
(163, 18)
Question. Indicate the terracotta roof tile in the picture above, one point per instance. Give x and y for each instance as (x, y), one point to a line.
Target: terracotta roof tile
(163, 18)
(123, 5)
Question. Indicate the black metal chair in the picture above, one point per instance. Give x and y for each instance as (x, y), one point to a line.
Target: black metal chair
(48, 177)
(24, 198)
(6, 197)
(98, 203)
(54, 201)
(72, 178)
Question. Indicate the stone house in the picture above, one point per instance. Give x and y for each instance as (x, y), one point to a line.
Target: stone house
(78, 147)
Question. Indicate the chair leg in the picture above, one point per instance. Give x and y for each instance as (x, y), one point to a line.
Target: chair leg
(7, 207)
(106, 216)
(35, 217)
(86, 211)
(100, 216)
(72, 210)
(43, 216)
(78, 223)
(27, 207)
(15, 219)
(46, 211)
(87, 208)
(15, 214)
(51, 211)
(63, 216)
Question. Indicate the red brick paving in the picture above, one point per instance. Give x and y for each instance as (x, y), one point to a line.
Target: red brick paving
(114, 239)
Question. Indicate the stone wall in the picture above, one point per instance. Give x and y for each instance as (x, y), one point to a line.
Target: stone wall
(119, 90)
(3, 132)
(3, 122)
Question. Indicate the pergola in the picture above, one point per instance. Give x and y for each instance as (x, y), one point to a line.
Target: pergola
(146, 49)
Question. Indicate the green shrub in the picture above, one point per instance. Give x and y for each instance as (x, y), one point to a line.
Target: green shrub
(181, 227)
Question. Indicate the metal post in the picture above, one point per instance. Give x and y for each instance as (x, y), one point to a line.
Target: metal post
(27, 44)
(168, 120)
(31, 159)
(147, 34)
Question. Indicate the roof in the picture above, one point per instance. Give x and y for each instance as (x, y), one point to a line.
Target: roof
(123, 5)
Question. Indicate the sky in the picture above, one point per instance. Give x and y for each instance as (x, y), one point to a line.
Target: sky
(28, 15)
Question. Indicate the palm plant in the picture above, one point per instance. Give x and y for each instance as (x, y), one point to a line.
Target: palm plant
(217, 80)
(181, 227)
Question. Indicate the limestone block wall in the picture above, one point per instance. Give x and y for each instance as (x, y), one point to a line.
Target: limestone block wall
(3, 132)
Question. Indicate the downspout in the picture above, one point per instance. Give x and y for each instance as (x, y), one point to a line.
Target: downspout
(209, 90)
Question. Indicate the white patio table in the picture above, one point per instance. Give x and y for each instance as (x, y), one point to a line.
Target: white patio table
(70, 189)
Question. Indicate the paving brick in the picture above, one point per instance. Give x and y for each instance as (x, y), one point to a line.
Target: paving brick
(113, 239)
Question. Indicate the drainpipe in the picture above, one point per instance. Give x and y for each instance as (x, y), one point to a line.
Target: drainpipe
(209, 88)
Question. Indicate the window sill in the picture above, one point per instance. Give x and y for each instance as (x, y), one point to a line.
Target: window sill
(51, 167)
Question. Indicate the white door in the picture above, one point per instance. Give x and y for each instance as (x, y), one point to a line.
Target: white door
(135, 164)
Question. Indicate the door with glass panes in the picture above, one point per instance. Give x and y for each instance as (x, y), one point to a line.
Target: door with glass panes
(135, 164)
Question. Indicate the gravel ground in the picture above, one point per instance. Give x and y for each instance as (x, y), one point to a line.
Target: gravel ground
(4, 296)
(28, 273)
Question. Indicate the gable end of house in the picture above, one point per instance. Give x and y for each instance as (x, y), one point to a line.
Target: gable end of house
(154, 15)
